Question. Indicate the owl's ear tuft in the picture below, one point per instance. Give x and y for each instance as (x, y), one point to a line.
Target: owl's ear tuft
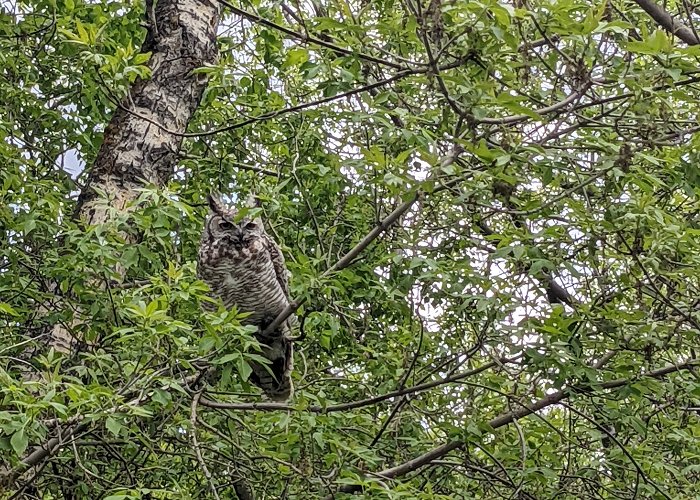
(215, 204)
(254, 204)
(253, 201)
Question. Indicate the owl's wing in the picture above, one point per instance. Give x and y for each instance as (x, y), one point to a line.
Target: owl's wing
(279, 265)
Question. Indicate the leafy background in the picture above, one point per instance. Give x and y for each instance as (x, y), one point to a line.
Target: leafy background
(559, 252)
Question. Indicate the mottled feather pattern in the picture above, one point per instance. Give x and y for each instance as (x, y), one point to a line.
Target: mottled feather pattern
(244, 267)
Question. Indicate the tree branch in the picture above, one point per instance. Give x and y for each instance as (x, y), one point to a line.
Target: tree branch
(507, 418)
(507, 120)
(308, 38)
(195, 445)
(383, 225)
(76, 425)
(8, 478)
(358, 404)
(307, 105)
(666, 21)
(621, 446)
(292, 109)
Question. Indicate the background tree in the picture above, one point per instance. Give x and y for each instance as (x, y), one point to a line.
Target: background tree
(490, 211)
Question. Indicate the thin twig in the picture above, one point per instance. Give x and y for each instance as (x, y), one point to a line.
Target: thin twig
(250, 16)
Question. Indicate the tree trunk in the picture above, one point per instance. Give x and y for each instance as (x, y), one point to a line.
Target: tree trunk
(143, 138)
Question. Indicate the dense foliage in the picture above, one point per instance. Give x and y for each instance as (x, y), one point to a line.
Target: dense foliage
(552, 260)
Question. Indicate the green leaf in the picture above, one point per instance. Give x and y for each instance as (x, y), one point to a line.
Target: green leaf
(8, 309)
(113, 426)
(141, 58)
(297, 56)
(227, 358)
(244, 369)
(657, 43)
(19, 442)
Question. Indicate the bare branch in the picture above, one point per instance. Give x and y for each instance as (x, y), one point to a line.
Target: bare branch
(195, 445)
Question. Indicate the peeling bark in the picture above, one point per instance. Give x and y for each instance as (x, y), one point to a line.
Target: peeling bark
(182, 37)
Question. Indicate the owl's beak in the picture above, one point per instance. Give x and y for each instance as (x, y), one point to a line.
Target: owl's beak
(237, 234)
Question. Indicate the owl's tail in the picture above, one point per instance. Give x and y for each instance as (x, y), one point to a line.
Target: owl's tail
(275, 379)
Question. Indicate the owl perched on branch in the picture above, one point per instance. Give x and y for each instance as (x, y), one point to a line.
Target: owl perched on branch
(245, 268)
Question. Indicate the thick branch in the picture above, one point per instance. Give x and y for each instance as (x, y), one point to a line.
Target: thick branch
(181, 38)
(667, 22)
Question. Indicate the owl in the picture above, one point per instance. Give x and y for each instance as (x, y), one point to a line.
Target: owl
(244, 267)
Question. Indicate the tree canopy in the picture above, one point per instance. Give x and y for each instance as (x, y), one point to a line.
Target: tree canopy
(490, 211)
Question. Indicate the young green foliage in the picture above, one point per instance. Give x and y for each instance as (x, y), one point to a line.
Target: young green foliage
(552, 268)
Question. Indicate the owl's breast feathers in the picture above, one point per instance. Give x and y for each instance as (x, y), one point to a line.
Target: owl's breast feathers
(244, 276)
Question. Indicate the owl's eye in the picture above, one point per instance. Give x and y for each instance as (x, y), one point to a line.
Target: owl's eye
(225, 225)
(251, 225)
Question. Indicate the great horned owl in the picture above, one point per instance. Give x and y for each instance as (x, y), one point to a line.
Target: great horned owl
(244, 267)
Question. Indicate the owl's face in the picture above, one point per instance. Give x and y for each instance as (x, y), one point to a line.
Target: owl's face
(221, 226)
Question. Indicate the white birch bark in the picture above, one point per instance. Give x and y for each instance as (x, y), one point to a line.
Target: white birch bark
(142, 140)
